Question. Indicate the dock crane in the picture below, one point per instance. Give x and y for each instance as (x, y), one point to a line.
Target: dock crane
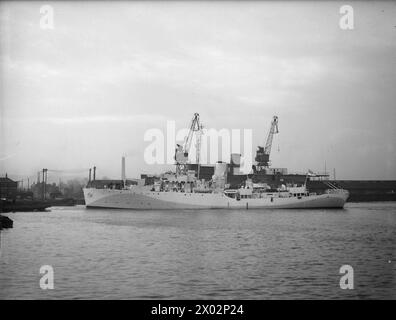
(263, 153)
(182, 151)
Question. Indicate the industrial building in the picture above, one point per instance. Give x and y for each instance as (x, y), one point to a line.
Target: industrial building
(8, 188)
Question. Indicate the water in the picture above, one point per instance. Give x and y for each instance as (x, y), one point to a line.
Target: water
(254, 254)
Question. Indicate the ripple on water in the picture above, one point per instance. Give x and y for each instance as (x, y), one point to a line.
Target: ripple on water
(255, 254)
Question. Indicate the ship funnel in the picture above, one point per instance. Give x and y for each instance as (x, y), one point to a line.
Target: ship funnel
(123, 170)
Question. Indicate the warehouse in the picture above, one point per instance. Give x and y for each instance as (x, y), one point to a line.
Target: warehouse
(8, 188)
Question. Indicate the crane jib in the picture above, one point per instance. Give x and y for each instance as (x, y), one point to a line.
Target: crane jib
(181, 153)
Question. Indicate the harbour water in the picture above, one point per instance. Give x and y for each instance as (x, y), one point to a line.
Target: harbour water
(205, 254)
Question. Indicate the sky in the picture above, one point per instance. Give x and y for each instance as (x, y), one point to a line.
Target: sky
(85, 92)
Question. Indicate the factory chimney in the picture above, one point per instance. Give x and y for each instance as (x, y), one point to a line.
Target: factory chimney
(94, 174)
(123, 170)
(89, 177)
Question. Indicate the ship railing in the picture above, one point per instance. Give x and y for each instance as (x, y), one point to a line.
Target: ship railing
(336, 191)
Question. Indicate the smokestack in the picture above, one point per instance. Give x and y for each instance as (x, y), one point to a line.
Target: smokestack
(89, 177)
(123, 170)
(94, 174)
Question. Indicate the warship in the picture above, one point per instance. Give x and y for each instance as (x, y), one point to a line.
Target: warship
(225, 189)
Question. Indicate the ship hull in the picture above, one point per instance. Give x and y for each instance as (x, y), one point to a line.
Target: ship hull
(150, 200)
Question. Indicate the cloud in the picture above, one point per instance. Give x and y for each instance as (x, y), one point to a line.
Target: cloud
(97, 81)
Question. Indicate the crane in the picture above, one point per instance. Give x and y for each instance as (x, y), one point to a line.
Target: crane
(263, 153)
(182, 151)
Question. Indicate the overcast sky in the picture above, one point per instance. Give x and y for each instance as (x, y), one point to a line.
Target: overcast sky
(85, 92)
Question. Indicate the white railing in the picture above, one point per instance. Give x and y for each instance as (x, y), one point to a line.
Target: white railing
(336, 191)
